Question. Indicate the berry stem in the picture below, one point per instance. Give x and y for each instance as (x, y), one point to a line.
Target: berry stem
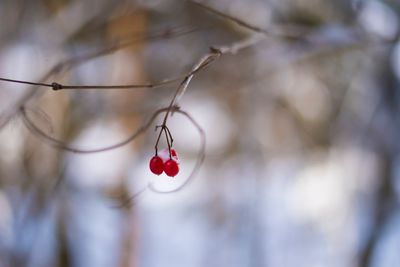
(168, 137)
(158, 140)
(168, 142)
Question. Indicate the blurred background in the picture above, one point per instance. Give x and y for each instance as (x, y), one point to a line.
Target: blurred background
(302, 163)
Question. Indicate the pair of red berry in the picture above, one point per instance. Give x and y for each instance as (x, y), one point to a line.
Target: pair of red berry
(167, 162)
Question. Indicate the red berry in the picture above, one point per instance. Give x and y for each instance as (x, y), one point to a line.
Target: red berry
(156, 165)
(171, 168)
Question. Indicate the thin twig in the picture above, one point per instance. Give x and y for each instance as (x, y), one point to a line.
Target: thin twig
(239, 22)
(204, 61)
(25, 82)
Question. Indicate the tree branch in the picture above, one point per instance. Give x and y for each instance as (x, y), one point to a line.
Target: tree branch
(286, 31)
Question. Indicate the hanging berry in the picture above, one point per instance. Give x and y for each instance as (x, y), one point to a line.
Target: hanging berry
(167, 160)
(171, 168)
(156, 165)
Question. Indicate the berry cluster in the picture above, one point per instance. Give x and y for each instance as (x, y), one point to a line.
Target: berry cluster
(167, 160)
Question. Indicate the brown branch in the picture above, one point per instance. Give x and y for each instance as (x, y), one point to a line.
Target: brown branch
(239, 22)
(76, 61)
(286, 31)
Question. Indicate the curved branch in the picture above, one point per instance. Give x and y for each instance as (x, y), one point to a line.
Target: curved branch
(62, 145)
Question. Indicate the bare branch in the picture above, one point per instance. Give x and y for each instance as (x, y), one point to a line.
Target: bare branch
(286, 31)
(43, 116)
(231, 18)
